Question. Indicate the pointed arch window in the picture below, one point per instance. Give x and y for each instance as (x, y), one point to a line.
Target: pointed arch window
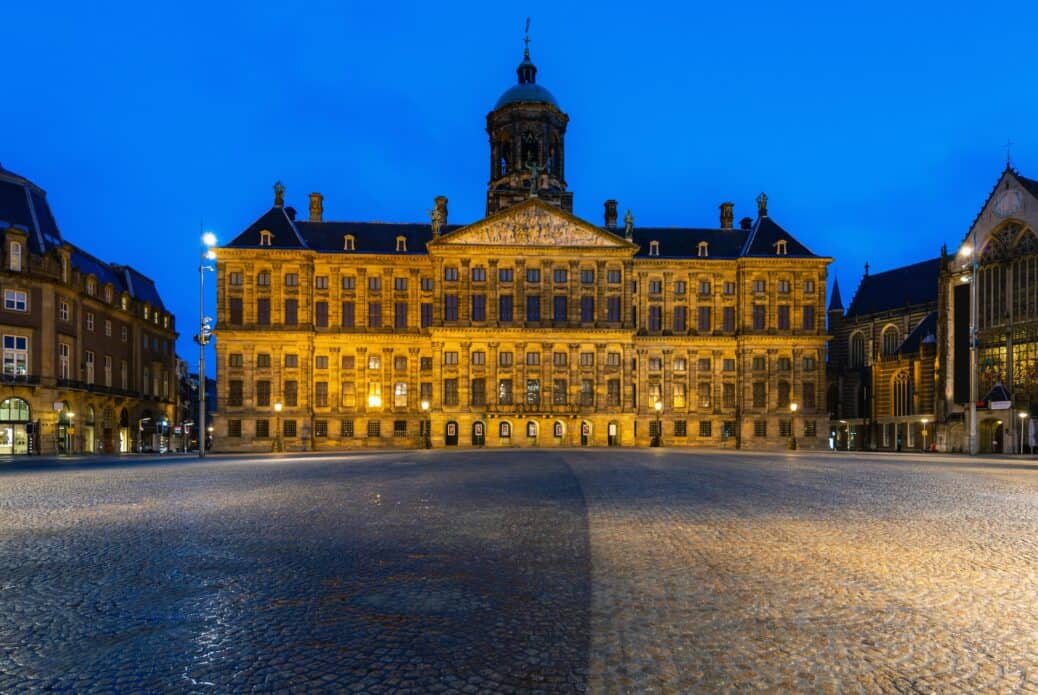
(654, 248)
(704, 249)
(891, 340)
(902, 397)
(857, 349)
(266, 238)
(349, 243)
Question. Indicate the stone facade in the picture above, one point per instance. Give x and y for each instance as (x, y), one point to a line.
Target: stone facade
(529, 328)
(88, 348)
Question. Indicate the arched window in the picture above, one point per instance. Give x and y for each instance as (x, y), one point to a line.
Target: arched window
(14, 410)
(780, 248)
(654, 248)
(857, 350)
(531, 149)
(505, 430)
(265, 237)
(902, 398)
(401, 244)
(891, 340)
(91, 286)
(704, 249)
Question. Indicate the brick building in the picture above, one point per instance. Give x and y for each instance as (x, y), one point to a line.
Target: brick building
(88, 346)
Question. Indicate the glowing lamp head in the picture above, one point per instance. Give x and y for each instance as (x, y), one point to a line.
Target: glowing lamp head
(277, 407)
(793, 407)
(658, 406)
(1024, 416)
(425, 405)
(209, 239)
(374, 401)
(210, 255)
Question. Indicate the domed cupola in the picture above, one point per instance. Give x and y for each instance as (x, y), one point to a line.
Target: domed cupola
(527, 144)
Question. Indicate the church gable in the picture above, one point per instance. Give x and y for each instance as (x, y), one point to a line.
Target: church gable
(1014, 198)
(533, 223)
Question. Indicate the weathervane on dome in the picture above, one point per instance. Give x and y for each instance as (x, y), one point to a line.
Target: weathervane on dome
(526, 40)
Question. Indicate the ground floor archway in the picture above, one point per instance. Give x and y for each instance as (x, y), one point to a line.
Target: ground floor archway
(15, 427)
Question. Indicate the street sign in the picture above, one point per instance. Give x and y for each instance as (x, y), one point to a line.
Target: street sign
(1001, 405)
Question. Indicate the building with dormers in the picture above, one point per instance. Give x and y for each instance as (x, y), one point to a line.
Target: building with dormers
(528, 328)
(88, 347)
(1005, 238)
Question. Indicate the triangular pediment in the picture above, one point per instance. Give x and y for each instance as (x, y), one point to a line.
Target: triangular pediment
(533, 223)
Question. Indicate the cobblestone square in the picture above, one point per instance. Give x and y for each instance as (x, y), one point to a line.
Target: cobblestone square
(527, 571)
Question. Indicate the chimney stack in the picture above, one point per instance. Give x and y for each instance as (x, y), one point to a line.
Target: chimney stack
(727, 215)
(610, 214)
(745, 223)
(316, 207)
(441, 205)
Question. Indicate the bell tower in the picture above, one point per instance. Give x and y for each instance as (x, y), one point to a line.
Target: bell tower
(527, 132)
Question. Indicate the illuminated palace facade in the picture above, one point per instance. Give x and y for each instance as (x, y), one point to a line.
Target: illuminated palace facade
(528, 328)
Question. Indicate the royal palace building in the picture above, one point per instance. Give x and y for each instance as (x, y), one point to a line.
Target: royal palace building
(528, 328)
(88, 346)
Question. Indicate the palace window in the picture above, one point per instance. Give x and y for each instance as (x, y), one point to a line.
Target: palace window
(450, 358)
(374, 362)
(760, 397)
(533, 275)
(400, 315)
(321, 314)
(533, 358)
(533, 307)
(374, 429)
(266, 238)
(533, 392)
(320, 361)
(587, 359)
(613, 359)
(679, 399)
(613, 309)
(263, 360)
(781, 247)
(401, 244)
(783, 317)
(263, 311)
(504, 358)
(504, 392)
(704, 319)
(291, 279)
(559, 309)
(613, 392)
(348, 314)
(809, 318)
(560, 276)
(291, 312)
(236, 278)
(760, 428)
(349, 282)
(680, 319)
(587, 277)
(349, 243)
(375, 284)
(347, 428)
(759, 286)
(478, 392)
(262, 278)
(728, 395)
(479, 307)
(450, 391)
(450, 274)
(758, 317)
(426, 309)
(680, 364)
(655, 317)
(559, 389)
(262, 428)
(703, 249)
(374, 314)
(63, 310)
(504, 275)
(654, 248)
(321, 282)
(400, 395)
(321, 394)
(263, 393)
(809, 286)
(15, 262)
(587, 309)
(479, 274)
(655, 364)
(504, 306)
(587, 392)
(704, 394)
(450, 307)
(784, 393)
(559, 359)
(613, 276)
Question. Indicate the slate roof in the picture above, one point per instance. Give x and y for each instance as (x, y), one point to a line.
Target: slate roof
(24, 204)
(924, 332)
(1030, 184)
(380, 237)
(909, 285)
(836, 302)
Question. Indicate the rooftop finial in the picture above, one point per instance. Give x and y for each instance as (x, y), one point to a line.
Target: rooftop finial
(279, 194)
(866, 268)
(526, 40)
(762, 205)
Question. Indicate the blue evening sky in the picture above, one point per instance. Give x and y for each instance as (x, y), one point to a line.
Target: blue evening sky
(877, 129)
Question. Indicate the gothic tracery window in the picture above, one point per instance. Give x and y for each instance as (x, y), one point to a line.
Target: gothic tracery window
(857, 350)
(901, 396)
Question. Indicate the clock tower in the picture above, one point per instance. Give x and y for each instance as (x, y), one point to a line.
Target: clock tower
(527, 132)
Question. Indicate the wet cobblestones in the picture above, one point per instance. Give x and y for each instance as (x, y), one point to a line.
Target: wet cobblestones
(566, 571)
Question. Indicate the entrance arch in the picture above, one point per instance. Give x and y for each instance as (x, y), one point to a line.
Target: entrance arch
(15, 415)
(124, 431)
(558, 431)
(66, 429)
(450, 435)
(585, 433)
(89, 443)
(479, 433)
(990, 436)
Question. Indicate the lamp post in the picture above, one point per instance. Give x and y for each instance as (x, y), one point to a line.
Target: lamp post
(924, 433)
(205, 332)
(658, 439)
(971, 252)
(277, 427)
(427, 424)
(1023, 428)
(793, 425)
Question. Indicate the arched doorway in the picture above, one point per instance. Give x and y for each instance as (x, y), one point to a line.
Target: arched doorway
(585, 433)
(124, 431)
(89, 443)
(613, 430)
(66, 429)
(479, 433)
(558, 432)
(15, 416)
(450, 437)
(991, 436)
(531, 431)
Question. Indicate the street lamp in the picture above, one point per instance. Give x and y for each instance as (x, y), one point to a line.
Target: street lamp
(205, 333)
(1023, 427)
(277, 431)
(427, 424)
(971, 252)
(924, 433)
(658, 439)
(793, 425)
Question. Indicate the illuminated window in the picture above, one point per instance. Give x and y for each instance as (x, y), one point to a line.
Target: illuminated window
(703, 249)
(15, 262)
(349, 243)
(401, 244)
(266, 238)
(654, 248)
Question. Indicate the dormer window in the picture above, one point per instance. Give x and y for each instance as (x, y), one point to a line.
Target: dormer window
(147, 312)
(704, 249)
(780, 248)
(108, 294)
(64, 269)
(125, 302)
(15, 261)
(91, 286)
(266, 237)
(654, 248)
(401, 244)
(349, 243)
